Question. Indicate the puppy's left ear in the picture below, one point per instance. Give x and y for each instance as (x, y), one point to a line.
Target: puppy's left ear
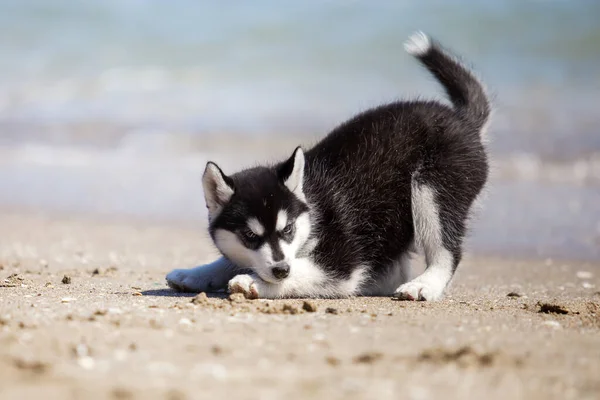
(291, 173)
(218, 188)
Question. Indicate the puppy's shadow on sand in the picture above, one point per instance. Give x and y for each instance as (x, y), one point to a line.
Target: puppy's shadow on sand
(168, 292)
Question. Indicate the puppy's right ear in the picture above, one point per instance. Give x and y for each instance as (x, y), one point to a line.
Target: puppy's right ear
(218, 188)
(291, 173)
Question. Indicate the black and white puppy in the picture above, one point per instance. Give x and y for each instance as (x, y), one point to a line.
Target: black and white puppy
(342, 218)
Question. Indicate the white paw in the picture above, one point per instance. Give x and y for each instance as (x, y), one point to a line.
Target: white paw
(197, 279)
(245, 284)
(419, 290)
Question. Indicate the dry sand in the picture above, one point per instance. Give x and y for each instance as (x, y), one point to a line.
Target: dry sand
(88, 316)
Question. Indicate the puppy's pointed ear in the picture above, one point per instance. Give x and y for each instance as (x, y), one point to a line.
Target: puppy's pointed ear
(218, 188)
(291, 173)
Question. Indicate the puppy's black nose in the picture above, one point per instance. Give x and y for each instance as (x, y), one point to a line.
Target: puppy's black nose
(281, 271)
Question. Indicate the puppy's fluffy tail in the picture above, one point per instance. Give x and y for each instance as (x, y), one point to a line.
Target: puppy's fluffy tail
(465, 91)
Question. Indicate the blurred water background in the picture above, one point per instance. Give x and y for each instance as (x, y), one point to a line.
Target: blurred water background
(113, 107)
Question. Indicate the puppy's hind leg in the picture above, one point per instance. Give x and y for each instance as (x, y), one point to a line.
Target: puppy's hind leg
(441, 256)
(397, 273)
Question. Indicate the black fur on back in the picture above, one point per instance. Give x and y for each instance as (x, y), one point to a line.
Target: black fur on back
(359, 179)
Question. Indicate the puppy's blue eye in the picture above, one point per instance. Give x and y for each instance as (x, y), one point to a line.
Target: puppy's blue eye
(249, 235)
(288, 229)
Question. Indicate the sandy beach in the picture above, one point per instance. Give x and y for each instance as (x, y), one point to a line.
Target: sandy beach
(85, 314)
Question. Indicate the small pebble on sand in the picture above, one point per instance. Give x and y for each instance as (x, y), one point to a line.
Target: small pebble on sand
(86, 363)
(201, 298)
(66, 280)
(368, 358)
(81, 350)
(318, 337)
(331, 310)
(333, 361)
(309, 306)
(67, 299)
(37, 367)
(584, 275)
(234, 297)
(290, 308)
(549, 308)
(552, 324)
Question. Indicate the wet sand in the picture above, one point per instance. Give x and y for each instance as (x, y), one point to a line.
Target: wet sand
(85, 313)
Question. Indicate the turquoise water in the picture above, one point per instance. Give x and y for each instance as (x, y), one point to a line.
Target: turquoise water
(266, 66)
(114, 106)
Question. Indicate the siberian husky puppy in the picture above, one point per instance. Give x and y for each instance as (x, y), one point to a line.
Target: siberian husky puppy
(342, 218)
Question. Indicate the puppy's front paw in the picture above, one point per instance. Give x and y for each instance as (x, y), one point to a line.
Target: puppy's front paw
(418, 290)
(245, 284)
(184, 280)
(195, 280)
(204, 278)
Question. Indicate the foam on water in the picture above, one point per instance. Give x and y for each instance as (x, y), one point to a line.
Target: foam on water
(540, 211)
